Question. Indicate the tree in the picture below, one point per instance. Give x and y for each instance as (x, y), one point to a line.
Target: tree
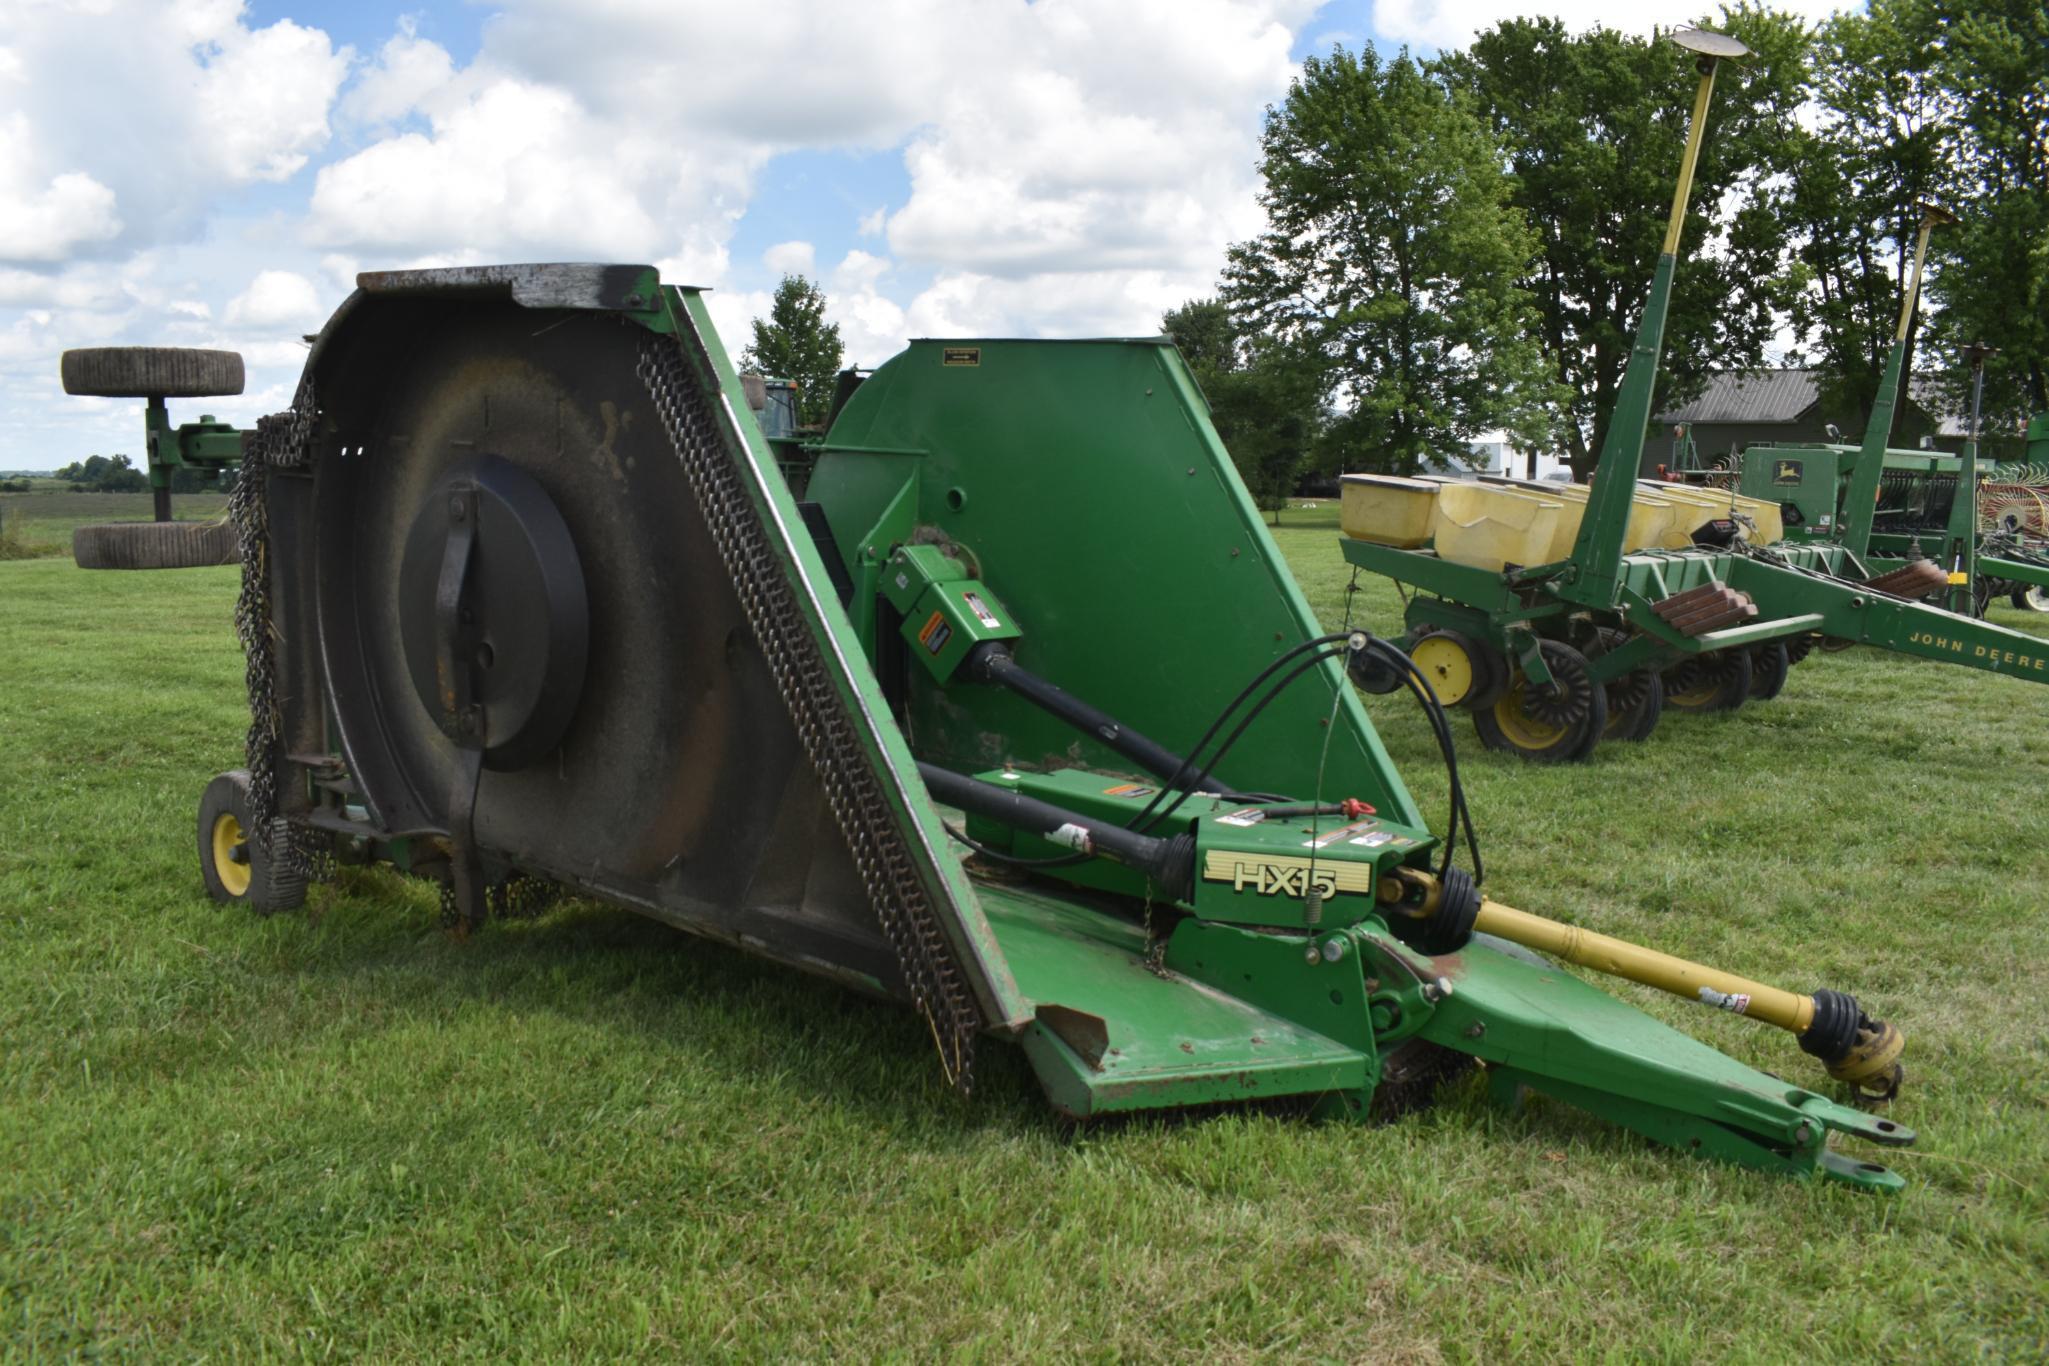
(797, 343)
(1267, 410)
(1876, 151)
(1389, 265)
(99, 474)
(1994, 281)
(1593, 125)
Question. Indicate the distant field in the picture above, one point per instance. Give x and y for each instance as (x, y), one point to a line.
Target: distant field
(344, 1134)
(41, 523)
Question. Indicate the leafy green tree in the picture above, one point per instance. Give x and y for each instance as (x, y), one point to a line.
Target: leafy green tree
(796, 342)
(1875, 152)
(1265, 404)
(1992, 57)
(1593, 125)
(101, 474)
(1389, 266)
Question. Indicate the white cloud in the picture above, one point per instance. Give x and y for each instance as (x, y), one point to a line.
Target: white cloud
(791, 258)
(408, 71)
(1074, 166)
(1451, 23)
(157, 108)
(275, 299)
(514, 167)
(46, 220)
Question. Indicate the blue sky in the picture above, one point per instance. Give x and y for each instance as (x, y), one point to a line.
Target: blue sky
(214, 173)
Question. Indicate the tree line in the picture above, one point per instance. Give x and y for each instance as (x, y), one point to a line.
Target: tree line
(1463, 245)
(118, 474)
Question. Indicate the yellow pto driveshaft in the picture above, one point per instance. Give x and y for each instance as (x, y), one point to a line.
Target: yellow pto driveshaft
(1857, 1050)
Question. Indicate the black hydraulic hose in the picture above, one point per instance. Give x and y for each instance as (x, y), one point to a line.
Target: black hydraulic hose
(1433, 710)
(1146, 821)
(993, 663)
(1224, 716)
(1169, 862)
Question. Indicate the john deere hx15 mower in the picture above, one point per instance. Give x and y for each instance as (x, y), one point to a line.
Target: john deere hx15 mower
(528, 606)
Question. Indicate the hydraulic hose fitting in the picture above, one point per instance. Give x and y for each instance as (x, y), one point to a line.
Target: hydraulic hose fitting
(1857, 1050)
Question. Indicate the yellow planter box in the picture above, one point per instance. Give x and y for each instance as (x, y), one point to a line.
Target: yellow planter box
(1388, 509)
(1491, 527)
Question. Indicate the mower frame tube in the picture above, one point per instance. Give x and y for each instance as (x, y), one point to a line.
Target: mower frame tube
(1169, 861)
(993, 663)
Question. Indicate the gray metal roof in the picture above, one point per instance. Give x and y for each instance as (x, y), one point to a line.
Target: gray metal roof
(1750, 396)
(1786, 395)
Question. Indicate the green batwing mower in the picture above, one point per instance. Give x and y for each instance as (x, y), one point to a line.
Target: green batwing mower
(1016, 718)
(1563, 616)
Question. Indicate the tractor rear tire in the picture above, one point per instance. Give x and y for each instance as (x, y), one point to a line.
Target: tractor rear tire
(1553, 730)
(1769, 665)
(1716, 681)
(234, 867)
(155, 545)
(2033, 598)
(151, 372)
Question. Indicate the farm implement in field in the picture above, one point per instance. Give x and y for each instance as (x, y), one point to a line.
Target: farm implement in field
(1564, 616)
(1895, 510)
(529, 605)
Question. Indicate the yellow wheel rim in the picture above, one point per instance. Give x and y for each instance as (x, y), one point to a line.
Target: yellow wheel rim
(1525, 732)
(227, 833)
(1448, 667)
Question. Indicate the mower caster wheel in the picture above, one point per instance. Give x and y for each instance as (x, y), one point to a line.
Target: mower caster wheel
(155, 545)
(2033, 598)
(1552, 727)
(1716, 681)
(232, 864)
(1769, 665)
(151, 372)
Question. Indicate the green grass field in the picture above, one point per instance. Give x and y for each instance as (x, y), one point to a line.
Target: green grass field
(38, 525)
(343, 1134)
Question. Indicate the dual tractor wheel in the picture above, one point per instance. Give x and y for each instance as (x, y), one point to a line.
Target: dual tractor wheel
(236, 866)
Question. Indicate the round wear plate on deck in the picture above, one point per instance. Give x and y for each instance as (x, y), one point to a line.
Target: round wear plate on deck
(526, 628)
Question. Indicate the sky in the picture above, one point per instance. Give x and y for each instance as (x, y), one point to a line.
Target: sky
(216, 172)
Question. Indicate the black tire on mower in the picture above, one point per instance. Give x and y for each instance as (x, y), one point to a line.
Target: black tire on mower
(2033, 598)
(1769, 665)
(155, 545)
(151, 372)
(233, 866)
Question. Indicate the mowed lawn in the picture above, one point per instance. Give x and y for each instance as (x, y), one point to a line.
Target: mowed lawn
(343, 1133)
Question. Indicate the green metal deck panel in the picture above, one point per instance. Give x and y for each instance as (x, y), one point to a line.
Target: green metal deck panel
(1168, 1040)
(1088, 488)
(1547, 1023)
